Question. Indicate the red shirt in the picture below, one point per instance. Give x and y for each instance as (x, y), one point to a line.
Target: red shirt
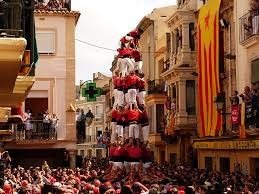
(143, 118)
(134, 152)
(121, 117)
(141, 84)
(133, 115)
(119, 151)
(136, 55)
(114, 115)
(134, 33)
(124, 39)
(112, 149)
(119, 83)
(125, 52)
(132, 81)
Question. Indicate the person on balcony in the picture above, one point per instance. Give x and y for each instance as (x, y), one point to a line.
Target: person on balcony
(255, 16)
(28, 124)
(80, 123)
(54, 126)
(247, 99)
(46, 124)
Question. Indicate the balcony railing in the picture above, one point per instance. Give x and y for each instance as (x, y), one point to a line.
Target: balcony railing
(156, 86)
(249, 26)
(34, 130)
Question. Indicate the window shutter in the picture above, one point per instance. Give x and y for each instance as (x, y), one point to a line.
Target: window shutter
(46, 42)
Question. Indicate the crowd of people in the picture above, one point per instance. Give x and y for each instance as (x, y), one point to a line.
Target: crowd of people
(99, 176)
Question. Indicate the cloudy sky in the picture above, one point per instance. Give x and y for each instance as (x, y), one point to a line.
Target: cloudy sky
(103, 23)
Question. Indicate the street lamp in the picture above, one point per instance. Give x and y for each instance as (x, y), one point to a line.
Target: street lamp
(220, 101)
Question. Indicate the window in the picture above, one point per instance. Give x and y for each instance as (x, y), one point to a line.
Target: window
(221, 53)
(208, 163)
(98, 110)
(255, 71)
(159, 117)
(99, 131)
(98, 153)
(224, 165)
(190, 97)
(89, 153)
(191, 36)
(46, 41)
(173, 158)
(82, 153)
(168, 45)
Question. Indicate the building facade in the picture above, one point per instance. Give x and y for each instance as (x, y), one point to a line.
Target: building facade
(180, 75)
(53, 91)
(153, 46)
(92, 145)
(236, 148)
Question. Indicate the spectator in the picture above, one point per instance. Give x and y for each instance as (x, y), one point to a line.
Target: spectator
(46, 124)
(54, 126)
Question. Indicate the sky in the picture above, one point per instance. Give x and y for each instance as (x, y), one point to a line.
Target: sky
(103, 23)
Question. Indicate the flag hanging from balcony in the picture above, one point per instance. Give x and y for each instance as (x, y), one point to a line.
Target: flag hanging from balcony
(208, 63)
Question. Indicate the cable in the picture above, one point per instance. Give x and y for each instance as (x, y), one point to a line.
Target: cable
(109, 49)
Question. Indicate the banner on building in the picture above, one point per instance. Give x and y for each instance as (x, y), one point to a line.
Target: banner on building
(235, 114)
(208, 63)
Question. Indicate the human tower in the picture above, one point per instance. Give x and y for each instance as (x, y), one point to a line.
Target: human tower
(130, 125)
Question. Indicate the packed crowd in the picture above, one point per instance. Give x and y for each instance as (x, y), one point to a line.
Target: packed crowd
(98, 176)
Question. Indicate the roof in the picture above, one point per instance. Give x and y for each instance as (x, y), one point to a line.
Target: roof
(161, 14)
(76, 14)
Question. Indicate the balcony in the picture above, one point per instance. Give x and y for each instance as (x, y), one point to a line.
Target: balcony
(36, 134)
(16, 35)
(156, 86)
(249, 30)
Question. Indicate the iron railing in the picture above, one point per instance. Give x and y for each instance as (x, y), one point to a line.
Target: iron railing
(156, 86)
(34, 130)
(249, 25)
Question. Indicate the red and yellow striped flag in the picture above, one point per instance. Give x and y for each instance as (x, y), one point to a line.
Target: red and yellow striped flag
(242, 130)
(208, 64)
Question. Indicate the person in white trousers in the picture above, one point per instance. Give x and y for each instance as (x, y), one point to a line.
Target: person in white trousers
(113, 125)
(133, 118)
(141, 89)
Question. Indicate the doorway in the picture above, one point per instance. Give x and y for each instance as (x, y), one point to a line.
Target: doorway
(36, 105)
(224, 165)
(254, 166)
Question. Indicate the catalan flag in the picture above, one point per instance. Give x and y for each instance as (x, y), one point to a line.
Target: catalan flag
(208, 65)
